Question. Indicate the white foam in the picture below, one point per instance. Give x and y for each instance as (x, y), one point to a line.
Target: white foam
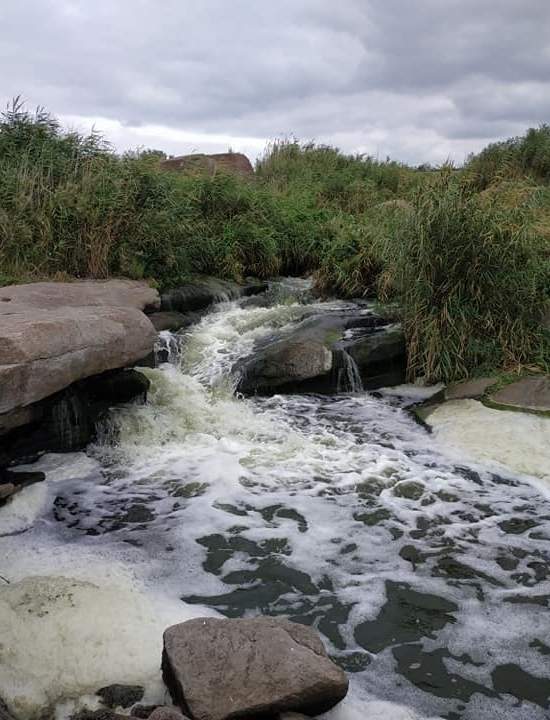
(520, 441)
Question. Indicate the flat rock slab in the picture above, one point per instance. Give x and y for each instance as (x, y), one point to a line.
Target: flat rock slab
(81, 293)
(469, 389)
(529, 393)
(218, 669)
(44, 351)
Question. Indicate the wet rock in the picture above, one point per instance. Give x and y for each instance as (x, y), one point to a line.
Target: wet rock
(326, 353)
(380, 357)
(169, 320)
(276, 666)
(203, 291)
(285, 365)
(120, 695)
(6, 491)
(143, 711)
(409, 489)
(100, 714)
(67, 420)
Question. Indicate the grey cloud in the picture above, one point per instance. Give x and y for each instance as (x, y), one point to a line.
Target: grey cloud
(414, 80)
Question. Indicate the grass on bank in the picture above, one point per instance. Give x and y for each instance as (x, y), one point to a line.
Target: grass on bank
(465, 253)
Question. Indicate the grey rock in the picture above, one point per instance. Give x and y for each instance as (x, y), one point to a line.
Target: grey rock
(80, 293)
(285, 365)
(169, 320)
(217, 669)
(469, 389)
(143, 711)
(44, 351)
(531, 393)
(203, 291)
(299, 361)
(120, 695)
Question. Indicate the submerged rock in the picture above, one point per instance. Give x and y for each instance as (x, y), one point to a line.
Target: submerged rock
(167, 712)
(218, 668)
(120, 695)
(202, 291)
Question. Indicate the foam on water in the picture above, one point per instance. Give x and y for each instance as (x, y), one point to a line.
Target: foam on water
(520, 441)
(427, 578)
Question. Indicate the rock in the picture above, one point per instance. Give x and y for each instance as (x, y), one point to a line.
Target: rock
(44, 351)
(531, 393)
(100, 714)
(225, 668)
(198, 163)
(120, 695)
(6, 491)
(203, 291)
(299, 361)
(80, 293)
(11, 482)
(167, 712)
(170, 320)
(293, 716)
(381, 357)
(469, 389)
(284, 366)
(143, 711)
(67, 420)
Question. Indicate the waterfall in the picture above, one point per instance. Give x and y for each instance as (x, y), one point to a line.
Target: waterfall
(348, 377)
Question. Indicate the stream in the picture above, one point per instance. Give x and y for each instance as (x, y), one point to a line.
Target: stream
(427, 574)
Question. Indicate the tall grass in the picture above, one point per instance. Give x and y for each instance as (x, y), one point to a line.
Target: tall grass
(465, 253)
(472, 280)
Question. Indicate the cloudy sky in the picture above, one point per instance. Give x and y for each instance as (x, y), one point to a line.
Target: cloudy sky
(419, 80)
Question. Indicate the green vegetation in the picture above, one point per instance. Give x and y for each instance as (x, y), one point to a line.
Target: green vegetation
(465, 253)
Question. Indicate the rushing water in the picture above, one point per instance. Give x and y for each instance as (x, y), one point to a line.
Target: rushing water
(428, 579)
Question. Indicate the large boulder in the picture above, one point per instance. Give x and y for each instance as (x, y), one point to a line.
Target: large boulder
(80, 293)
(286, 367)
(218, 669)
(43, 351)
(340, 351)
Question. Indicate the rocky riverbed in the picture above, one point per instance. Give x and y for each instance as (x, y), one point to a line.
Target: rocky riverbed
(423, 564)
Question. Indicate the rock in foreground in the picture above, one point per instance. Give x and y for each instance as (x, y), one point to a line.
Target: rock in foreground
(217, 668)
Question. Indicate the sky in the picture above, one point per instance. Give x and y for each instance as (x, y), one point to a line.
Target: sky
(416, 80)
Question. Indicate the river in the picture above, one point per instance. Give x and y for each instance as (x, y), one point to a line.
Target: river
(427, 575)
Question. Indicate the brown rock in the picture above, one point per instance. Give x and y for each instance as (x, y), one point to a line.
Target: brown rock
(219, 668)
(233, 163)
(6, 491)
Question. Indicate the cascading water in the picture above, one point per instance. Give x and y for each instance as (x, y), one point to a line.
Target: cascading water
(427, 577)
(348, 377)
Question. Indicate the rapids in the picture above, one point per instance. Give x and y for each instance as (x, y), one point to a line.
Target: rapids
(427, 573)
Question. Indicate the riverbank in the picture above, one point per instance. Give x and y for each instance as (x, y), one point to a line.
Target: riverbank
(337, 511)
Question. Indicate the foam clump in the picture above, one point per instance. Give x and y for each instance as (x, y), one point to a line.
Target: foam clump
(63, 637)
